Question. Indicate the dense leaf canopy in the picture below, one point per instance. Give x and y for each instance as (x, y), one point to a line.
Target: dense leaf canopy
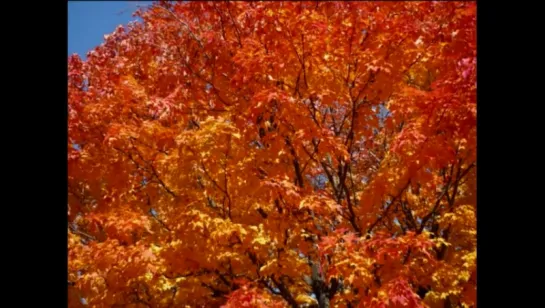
(276, 154)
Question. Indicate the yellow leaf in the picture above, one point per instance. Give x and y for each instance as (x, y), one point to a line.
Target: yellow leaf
(260, 240)
(268, 268)
(305, 299)
(155, 249)
(441, 241)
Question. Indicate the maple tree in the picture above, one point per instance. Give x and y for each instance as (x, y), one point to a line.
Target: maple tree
(276, 154)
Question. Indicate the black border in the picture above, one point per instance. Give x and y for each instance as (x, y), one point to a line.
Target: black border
(498, 134)
(38, 37)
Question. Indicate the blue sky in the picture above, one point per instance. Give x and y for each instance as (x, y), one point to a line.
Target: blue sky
(89, 21)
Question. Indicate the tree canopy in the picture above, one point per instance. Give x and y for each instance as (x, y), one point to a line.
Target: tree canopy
(276, 154)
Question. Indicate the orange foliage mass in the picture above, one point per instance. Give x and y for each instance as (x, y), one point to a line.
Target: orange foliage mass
(263, 154)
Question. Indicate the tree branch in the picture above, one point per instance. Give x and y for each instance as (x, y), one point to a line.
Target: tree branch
(184, 24)
(296, 166)
(434, 209)
(286, 294)
(80, 233)
(237, 31)
(219, 188)
(153, 171)
(387, 208)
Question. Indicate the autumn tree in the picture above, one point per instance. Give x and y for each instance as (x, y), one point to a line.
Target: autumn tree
(276, 154)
